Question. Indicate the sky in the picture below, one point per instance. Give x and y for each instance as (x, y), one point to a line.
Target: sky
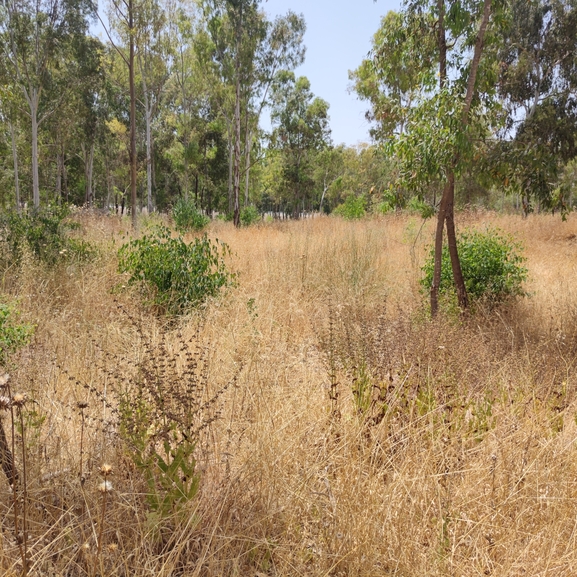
(338, 37)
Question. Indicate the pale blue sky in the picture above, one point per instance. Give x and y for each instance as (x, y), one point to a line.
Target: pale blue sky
(338, 37)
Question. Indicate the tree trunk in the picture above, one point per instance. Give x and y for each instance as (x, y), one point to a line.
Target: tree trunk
(439, 252)
(452, 241)
(247, 150)
(58, 176)
(88, 170)
(33, 102)
(15, 161)
(132, 113)
(148, 120)
(236, 176)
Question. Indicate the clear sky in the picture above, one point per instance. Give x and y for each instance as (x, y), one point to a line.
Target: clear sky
(338, 37)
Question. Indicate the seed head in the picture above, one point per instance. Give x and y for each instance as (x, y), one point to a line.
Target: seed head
(106, 470)
(4, 403)
(19, 400)
(4, 379)
(82, 404)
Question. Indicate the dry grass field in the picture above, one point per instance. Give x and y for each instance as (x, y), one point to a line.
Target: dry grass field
(340, 432)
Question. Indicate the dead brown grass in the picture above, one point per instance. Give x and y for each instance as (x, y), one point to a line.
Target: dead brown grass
(450, 449)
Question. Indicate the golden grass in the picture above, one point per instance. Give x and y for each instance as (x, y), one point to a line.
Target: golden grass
(472, 469)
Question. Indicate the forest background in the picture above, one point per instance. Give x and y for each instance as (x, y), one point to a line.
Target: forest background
(204, 74)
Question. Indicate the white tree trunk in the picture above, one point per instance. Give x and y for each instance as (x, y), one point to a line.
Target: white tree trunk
(247, 150)
(33, 103)
(15, 160)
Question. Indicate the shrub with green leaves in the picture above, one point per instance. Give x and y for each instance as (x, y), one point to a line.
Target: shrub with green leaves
(354, 207)
(249, 215)
(187, 217)
(13, 334)
(174, 275)
(492, 266)
(420, 206)
(45, 233)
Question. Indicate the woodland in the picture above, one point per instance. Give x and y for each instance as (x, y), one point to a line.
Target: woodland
(227, 350)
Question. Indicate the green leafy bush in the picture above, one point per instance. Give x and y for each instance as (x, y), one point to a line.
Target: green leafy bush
(187, 217)
(354, 207)
(418, 205)
(249, 215)
(45, 233)
(175, 275)
(13, 334)
(491, 262)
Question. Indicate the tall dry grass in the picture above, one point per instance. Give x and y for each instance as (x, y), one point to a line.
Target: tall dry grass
(358, 437)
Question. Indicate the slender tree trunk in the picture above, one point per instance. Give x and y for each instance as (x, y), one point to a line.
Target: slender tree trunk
(462, 298)
(247, 150)
(148, 120)
(236, 176)
(108, 182)
(230, 171)
(132, 113)
(15, 161)
(33, 102)
(88, 170)
(58, 176)
(438, 262)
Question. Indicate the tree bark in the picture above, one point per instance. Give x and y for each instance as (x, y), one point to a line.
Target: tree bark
(462, 297)
(148, 121)
(247, 150)
(33, 103)
(132, 113)
(15, 161)
(236, 171)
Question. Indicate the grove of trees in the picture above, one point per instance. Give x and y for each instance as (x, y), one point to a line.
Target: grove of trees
(469, 101)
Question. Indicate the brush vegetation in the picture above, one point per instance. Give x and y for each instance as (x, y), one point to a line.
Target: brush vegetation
(311, 420)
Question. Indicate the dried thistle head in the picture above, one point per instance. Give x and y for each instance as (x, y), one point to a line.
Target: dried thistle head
(82, 404)
(106, 470)
(19, 400)
(4, 379)
(4, 403)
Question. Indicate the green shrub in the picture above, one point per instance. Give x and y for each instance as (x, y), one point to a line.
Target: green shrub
(187, 217)
(491, 263)
(176, 276)
(249, 215)
(418, 205)
(13, 334)
(45, 233)
(354, 207)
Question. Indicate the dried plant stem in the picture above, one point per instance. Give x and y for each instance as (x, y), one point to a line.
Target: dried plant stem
(24, 495)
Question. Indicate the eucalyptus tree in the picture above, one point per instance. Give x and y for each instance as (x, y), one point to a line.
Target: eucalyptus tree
(154, 50)
(422, 81)
(537, 81)
(300, 130)
(36, 37)
(249, 50)
(122, 15)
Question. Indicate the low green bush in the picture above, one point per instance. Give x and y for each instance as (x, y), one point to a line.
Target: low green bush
(174, 275)
(353, 208)
(13, 334)
(186, 216)
(249, 215)
(491, 263)
(418, 205)
(45, 233)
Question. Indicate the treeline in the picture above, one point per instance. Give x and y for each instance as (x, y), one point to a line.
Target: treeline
(168, 103)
